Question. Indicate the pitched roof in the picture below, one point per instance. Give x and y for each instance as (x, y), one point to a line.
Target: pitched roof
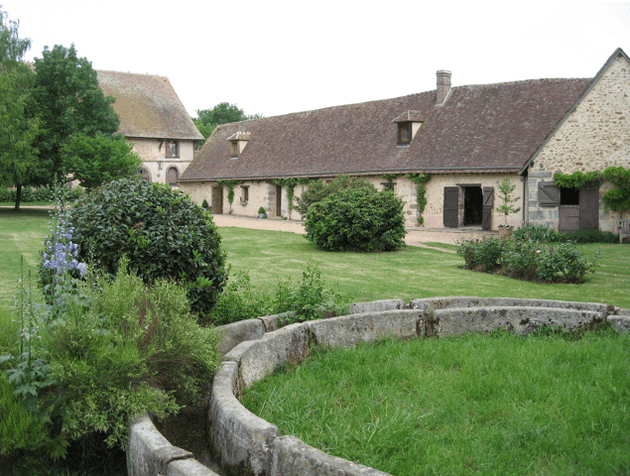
(483, 128)
(148, 106)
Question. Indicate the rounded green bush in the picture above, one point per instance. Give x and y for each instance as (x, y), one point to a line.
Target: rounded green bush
(357, 219)
(162, 233)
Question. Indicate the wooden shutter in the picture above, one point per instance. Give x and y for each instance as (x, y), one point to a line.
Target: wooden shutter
(451, 207)
(568, 218)
(486, 208)
(548, 194)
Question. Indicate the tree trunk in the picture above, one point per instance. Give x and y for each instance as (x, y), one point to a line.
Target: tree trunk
(18, 197)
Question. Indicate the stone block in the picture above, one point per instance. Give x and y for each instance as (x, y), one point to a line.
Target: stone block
(293, 457)
(149, 453)
(376, 306)
(237, 332)
(237, 435)
(188, 467)
(346, 331)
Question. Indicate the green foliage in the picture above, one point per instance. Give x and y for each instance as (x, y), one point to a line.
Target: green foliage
(590, 236)
(12, 47)
(99, 159)
(223, 113)
(421, 181)
(20, 127)
(357, 219)
(484, 255)
(289, 184)
(306, 300)
(505, 195)
(71, 103)
(38, 194)
(618, 198)
(318, 190)
(575, 180)
(536, 233)
(162, 233)
(204, 204)
(229, 184)
(527, 258)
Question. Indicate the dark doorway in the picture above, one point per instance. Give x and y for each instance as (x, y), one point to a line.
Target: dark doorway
(473, 203)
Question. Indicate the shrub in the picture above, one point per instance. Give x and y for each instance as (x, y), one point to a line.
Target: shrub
(484, 254)
(520, 260)
(162, 233)
(309, 299)
(590, 236)
(536, 233)
(319, 190)
(204, 204)
(357, 219)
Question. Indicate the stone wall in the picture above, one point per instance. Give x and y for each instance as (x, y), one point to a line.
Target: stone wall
(594, 136)
(252, 350)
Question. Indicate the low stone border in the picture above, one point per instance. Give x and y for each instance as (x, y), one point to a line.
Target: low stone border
(254, 348)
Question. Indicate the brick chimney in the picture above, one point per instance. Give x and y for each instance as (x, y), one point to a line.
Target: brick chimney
(443, 85)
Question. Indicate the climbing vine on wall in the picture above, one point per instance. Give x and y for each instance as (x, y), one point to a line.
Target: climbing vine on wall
(229, 184)
(616, 199)
(421, 181)
(289, 184)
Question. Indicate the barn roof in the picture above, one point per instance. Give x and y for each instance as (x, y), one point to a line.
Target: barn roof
(479, 128)
(148, 106)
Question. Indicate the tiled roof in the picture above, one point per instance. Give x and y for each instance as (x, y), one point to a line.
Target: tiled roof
(148, 106)
(484, 128)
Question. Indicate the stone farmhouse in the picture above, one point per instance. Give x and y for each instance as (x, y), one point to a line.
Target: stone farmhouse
(155, 121)
(467, 138)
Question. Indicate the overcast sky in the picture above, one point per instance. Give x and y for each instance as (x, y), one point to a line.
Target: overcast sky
(275, 57)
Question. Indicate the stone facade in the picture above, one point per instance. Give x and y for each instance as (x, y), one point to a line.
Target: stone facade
(155, 163)
(595, 135)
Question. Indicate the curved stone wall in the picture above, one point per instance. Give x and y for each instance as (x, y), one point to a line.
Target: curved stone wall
(254, 348)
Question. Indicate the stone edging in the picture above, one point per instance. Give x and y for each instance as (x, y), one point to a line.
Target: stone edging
(254, 348)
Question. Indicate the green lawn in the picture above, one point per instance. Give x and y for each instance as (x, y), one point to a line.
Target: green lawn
(471, 405)
(413, 272)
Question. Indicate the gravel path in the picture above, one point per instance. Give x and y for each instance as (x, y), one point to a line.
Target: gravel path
(415, 236)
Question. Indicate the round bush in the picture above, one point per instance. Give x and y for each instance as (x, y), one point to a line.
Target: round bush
(162, 233)
(358, 219)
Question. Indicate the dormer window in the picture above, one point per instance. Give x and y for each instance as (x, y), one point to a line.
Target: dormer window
(408, 123)
(238, 142)
(404, 133)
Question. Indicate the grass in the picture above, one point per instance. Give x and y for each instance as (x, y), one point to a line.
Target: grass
(413, 272)
(473, 405)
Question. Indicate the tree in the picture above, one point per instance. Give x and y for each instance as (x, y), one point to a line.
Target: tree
(18, 118)
(96, 160)
(20, 129)
(71, 103)
(222, 113)
(505, 194)
(12, 47)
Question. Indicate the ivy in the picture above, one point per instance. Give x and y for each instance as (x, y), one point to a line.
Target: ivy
(421, 181)
(289, 184)
(616, 199)
(575, 180)
(229, 184)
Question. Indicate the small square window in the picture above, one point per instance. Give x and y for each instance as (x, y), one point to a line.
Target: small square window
(404, 133)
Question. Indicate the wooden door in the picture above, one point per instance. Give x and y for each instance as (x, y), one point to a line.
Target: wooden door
(589, 206)
(451, 207)
(569, 218)
(217, 200)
